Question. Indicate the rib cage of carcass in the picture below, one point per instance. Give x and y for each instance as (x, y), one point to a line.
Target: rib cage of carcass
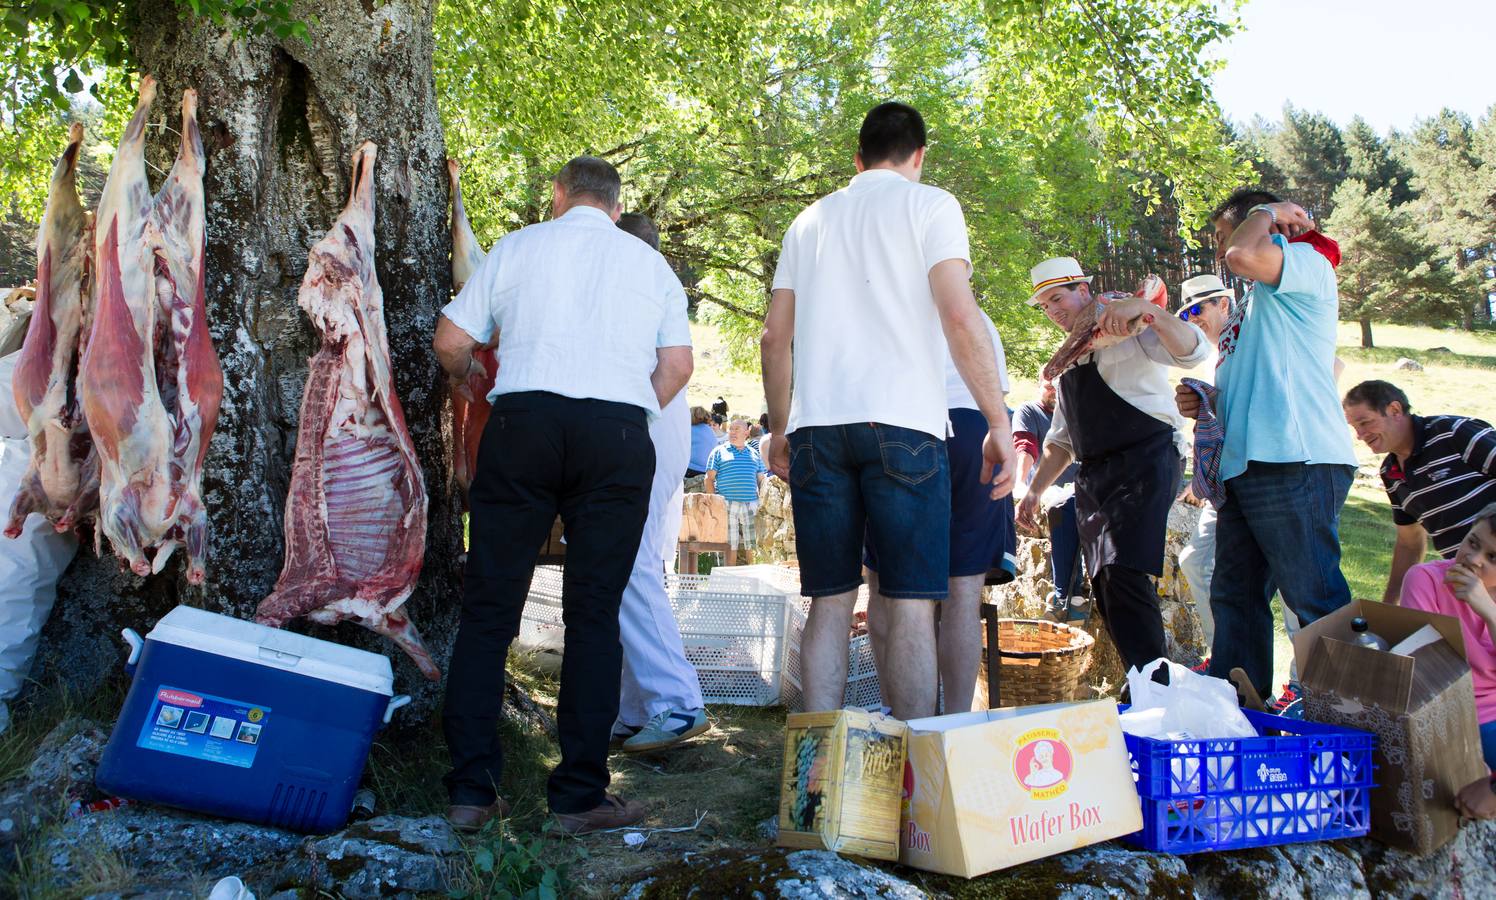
(62, 477)
(468, 416)
(150, 379)
(356, 512)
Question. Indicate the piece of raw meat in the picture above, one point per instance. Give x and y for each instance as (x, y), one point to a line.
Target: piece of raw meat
(356, 512)
(61, 480)
(1086, 337)
(150, 379)
(469, 417)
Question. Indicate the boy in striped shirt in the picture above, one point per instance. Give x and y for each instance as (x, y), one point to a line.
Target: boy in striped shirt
(736, 471)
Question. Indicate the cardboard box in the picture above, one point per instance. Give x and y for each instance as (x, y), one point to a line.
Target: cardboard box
(1420, 707)
(842, 782)
(704, 519)
(988, 790)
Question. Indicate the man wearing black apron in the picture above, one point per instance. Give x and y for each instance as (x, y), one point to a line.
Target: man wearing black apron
(1116, 416)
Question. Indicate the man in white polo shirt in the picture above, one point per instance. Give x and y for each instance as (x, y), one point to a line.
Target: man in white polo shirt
(592, 342)
(873, 283)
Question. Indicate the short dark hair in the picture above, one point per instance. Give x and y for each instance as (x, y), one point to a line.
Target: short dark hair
(1378, 395)
(641, 227)
(1235, 207)
(891, 132)
(592, 177)
(1488, 516)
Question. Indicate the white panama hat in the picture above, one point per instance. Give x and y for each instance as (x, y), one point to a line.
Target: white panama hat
(1052, 272)
(1203, 287)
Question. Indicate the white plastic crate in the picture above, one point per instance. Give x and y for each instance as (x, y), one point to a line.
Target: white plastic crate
(862, 689)
(733, 632)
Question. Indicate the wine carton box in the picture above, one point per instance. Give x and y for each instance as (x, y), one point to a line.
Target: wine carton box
(841, 783)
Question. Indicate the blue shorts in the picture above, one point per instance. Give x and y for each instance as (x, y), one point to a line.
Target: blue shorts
(882, 480)
(983, 538)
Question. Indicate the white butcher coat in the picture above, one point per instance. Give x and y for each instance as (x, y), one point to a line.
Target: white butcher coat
(30, 565)
(656, 675)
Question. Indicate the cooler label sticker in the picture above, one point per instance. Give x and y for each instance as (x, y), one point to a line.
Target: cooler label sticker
(202, 726)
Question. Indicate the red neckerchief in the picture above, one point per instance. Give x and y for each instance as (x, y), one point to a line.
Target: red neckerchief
(1326, 246)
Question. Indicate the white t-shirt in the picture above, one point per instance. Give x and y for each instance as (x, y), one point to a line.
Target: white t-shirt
(957, 394)
(868, 342)
(580, 306)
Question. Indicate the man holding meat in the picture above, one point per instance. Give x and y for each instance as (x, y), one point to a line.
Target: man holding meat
(1286, 459)
(1116, 416)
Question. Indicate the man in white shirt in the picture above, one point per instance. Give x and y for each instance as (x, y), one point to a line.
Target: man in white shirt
(983, 543)
(1116, 415)
(873, 284)
(592, 342)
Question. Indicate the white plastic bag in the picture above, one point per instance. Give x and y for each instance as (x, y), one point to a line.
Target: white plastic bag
(1190, 707)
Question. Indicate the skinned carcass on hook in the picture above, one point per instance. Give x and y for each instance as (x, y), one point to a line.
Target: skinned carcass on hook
(470, 409)
(150, 379)
(355, 523)
(62, 477)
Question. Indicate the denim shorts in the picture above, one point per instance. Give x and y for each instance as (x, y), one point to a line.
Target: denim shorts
(888, 483)
(984, 540)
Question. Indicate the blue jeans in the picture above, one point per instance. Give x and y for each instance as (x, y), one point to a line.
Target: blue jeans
(1280, 525)
(892, 483)
(1064, 544)
(1488, 744)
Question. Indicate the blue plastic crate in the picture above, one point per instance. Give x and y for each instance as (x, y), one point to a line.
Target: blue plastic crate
(1311, 784)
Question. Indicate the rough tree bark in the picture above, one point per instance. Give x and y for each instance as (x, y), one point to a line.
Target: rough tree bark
(280, 120)
(1366, 341)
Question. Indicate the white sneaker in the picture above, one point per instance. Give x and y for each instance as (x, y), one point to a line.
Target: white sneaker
(666, 729)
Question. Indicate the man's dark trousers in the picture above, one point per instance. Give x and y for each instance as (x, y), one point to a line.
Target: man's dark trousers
(592, 462)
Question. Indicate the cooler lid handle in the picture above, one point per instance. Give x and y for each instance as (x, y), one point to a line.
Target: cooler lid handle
(135, 642)
(396, 702)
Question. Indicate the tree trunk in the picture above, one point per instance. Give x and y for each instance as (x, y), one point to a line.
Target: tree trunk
(280, 121)
(1366, 343)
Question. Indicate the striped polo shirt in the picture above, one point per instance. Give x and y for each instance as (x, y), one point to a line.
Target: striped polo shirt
(1448, 478)
(737, 472)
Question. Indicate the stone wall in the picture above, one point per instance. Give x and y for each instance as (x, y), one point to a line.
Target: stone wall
(1025, 596)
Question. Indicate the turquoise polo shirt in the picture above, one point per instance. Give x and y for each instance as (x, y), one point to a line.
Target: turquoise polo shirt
(1276, 370)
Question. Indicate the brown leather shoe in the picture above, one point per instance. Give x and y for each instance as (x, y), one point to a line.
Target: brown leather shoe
(473, 818)
(613, 812)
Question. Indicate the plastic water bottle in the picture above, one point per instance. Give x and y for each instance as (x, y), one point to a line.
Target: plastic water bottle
(1364, 636)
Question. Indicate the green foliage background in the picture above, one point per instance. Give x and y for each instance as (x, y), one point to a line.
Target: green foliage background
(1082, 127)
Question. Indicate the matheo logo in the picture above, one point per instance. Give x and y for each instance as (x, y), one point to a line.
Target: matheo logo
(1043, 763)
(180, 698)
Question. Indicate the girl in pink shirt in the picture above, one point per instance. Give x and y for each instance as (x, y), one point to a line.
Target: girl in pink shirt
(1463, 587)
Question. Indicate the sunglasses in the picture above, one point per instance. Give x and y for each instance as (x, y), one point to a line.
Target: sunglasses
(1196, 309)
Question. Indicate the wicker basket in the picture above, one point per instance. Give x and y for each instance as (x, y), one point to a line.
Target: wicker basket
(1042, 662)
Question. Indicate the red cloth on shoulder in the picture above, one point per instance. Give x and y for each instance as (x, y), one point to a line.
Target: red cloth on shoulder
(1326, 246)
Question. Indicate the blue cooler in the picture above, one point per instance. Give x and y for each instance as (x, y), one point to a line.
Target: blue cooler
(248, 722)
